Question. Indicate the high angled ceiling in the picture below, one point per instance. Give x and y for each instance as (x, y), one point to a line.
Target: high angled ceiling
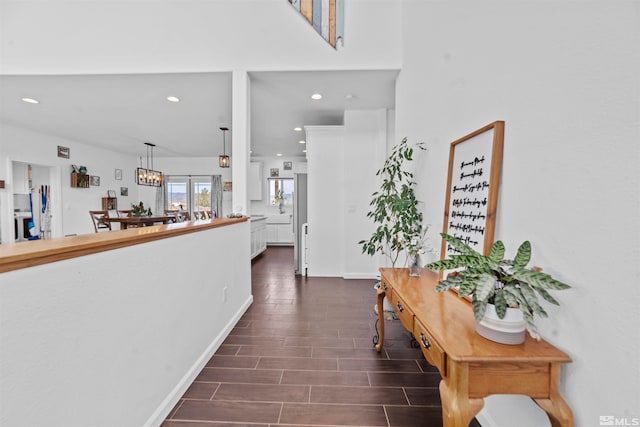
(122, 112)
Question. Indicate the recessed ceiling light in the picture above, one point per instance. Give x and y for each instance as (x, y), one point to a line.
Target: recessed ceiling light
(316, 96)
(298, 129)
(301, 142)
(31, 100)
(348, 96)
(173, 99)
(279, 154)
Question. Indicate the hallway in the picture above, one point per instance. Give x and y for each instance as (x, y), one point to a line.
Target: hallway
(302, 355)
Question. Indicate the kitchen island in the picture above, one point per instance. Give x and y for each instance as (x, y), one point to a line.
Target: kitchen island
(124, 319)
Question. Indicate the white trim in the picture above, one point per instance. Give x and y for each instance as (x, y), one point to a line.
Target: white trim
(160, 414)
(374, 276)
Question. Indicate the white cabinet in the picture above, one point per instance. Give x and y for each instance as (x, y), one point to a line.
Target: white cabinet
(255, 181)
(279, 234)
(258, 236)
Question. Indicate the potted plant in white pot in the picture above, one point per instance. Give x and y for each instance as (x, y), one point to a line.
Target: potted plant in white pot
(500, 289)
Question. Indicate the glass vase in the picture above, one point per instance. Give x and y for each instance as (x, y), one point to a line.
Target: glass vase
(414, 266)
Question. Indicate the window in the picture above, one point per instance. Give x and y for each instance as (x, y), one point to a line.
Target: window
(190, 193)
(281, 188)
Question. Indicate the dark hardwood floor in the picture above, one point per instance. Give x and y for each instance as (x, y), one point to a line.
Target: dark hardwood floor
(302, 355)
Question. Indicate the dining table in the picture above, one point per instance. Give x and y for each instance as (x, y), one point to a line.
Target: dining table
(140, 221)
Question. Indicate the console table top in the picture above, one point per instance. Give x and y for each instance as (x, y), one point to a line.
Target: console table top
(450, 319)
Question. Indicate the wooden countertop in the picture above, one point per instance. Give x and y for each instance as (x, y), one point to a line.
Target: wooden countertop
(14, 256)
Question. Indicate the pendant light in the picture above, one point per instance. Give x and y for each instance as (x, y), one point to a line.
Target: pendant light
(225, 162)
(148, 176)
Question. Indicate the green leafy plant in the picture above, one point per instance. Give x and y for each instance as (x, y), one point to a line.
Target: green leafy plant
(140, 210)
(394, 207)
(494, 280)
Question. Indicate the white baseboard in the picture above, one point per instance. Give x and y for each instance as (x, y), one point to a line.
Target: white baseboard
(160, 414)
(360, 276)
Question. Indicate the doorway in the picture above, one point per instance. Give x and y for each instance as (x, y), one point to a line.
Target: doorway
(32, 209)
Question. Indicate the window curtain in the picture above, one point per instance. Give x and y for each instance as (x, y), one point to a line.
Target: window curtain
(216, 195)
(160, 205)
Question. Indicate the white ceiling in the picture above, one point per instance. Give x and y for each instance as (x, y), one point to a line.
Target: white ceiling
(122, 112)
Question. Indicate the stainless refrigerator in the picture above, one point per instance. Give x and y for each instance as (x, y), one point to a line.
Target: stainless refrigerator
(299, 222)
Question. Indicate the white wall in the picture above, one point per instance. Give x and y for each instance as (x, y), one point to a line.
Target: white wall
(200, 35)
(115, 338)
(564, 77)
(342, 164)
(364, 151)
(325, 200)
(70, 204)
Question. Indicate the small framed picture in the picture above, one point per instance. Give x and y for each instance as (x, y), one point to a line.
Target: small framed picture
(95, 181)
(118, 174)
(275, 172)
(63, 152)
(111, 193)
(227, 186)
(124, 191)
(287, 166)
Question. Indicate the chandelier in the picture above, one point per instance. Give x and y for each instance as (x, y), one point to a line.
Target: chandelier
(148, 176)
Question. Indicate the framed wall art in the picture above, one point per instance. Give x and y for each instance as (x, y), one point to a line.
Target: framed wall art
(475, 162)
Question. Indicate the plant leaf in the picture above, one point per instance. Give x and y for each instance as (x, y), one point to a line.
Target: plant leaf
(479, 308)
(501, 304)
(497, 251)
(449, 283)
(460, 246)
(538, 279)
(485, 287)
(456, 261)
(546, 296)
(523, 256)
(468, 285)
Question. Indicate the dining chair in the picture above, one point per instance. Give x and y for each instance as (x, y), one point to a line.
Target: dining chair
(127, 213)
(98, 223)
(174, 213)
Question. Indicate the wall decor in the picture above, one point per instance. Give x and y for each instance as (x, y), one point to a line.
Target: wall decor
(95, 181)
(118, 174)
(63, 152)
(325, 16)
(227, 186)
(124, 191)
(473, 180)
(274, 173)
(287, 166)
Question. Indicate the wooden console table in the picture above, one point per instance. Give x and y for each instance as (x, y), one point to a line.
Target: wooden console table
(471, 366)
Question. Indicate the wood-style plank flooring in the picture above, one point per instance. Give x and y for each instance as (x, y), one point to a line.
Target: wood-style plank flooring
(302, 355)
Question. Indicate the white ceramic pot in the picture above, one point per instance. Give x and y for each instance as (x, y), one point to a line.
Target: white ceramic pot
(510, 330)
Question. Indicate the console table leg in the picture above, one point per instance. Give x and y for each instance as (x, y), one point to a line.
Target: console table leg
(457, 408)
(556, 408)
(380, 298)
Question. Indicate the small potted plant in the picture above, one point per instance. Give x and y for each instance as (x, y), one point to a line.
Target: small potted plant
(278, 200)
(506, 288)
(140, 210)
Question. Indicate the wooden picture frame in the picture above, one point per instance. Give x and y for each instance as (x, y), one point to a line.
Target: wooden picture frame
(473, 181)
